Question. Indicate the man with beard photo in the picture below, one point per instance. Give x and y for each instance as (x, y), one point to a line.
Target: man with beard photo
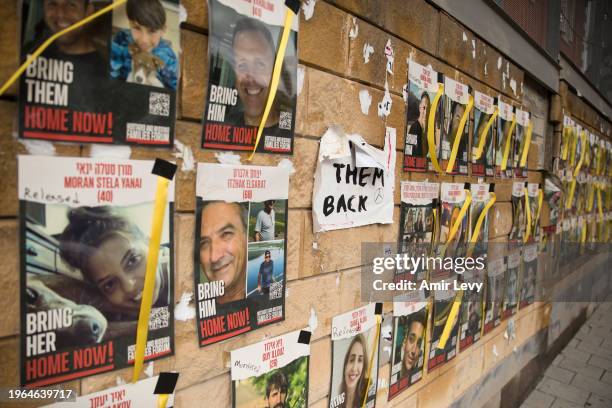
(276, 390)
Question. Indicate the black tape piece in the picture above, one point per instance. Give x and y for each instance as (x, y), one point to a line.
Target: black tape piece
(164, 169)
(491, 188)
(514, 109)
(434, 202)
(166, 383)
(526, 184)
(294, 5)
(495, 100)
(440, 77)
(304, 337)
(378, 308)
(470, 89)
(466, 186)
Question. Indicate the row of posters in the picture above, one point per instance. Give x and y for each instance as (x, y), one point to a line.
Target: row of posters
(497, 135)
(85, 225)
(115, 79)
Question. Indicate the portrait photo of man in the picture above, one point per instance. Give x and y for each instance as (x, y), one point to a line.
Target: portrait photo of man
(276, 390)
(266, 274)
(223, 246)
(265, 222)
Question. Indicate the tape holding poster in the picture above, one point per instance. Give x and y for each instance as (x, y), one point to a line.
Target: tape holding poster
(84, 226)
(104, 82)
(456, 115)
(422, 88)
(496, 281)
(242, 47)
(272, 373)
(483, 163)
(354, 358)
(354, 182)
(417, 222)
(240, 248)
(409, 330)
(140, 394)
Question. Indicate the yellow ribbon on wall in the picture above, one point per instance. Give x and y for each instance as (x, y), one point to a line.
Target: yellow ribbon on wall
(448, 327)
(572, 158)
(527, 144)
(54, 37)
(565, 140)
(504, 162)
(431, 127)
(276, 73)
(599, 205)
(457, 302)
(570, 196)
(459, 134)
(374, 349)
(540, 201)
(582, 153)
(483, 135)
(479, 222)
(591, 199)
(162, 400)
(528, 213)
(164, 176)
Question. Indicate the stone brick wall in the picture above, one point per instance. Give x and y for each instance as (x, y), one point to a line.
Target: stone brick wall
(322, 269)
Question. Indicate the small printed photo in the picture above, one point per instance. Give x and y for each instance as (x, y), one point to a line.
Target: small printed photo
(268, 221)
(280, 388)
(221, 246)
(145, 43)
(266, 269)
(409, 346)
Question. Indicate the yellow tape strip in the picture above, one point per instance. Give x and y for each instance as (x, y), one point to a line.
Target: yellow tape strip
(459, 134)
(431, 128)
(504, 162)
(479, 222)
(450, 320)
(599, 206)
(528, 212)
(374, 349)
(157, 223)
(582, 152)
(527, 144)
(570, 196)
(572, 158)
(54, 37)
(565, 140)
(591, 199)
(483, 135)
(540, 200)
(162, 400)
(459, 220)
(276, 73)
(583, 232)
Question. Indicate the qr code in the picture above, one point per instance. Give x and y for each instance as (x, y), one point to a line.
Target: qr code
(159, 104)
(159, 318)
(276, 290)
(285, 120)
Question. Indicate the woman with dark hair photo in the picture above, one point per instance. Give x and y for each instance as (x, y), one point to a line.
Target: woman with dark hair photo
(111, 253)
(355, 368)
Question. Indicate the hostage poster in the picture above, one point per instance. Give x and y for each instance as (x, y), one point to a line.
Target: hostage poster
(422, 89)
(443, 302)
(456, 98)
(503, 141)
(85, 227)
(113, 80)
(354, 182)
(240, 248)
(511, 294)
(470, 314)
(417, 221)
(139, 394)
(496, 281)
(272, 373)
(520, 138)
(482, 161)
(243, 43)
(519, 220)
(354, 378)
(408, 351)
(529, 272)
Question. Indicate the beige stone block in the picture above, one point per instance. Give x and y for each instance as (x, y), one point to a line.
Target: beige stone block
(9, 278)
(9, 44)
(457, 45)
(216, 392)
(320, 368)
(500, 219)
(197, 13)
(422, 31)
(323, 39)
(194, 74)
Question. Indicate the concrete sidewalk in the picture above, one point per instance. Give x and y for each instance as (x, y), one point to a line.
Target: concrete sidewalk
(581, 375)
